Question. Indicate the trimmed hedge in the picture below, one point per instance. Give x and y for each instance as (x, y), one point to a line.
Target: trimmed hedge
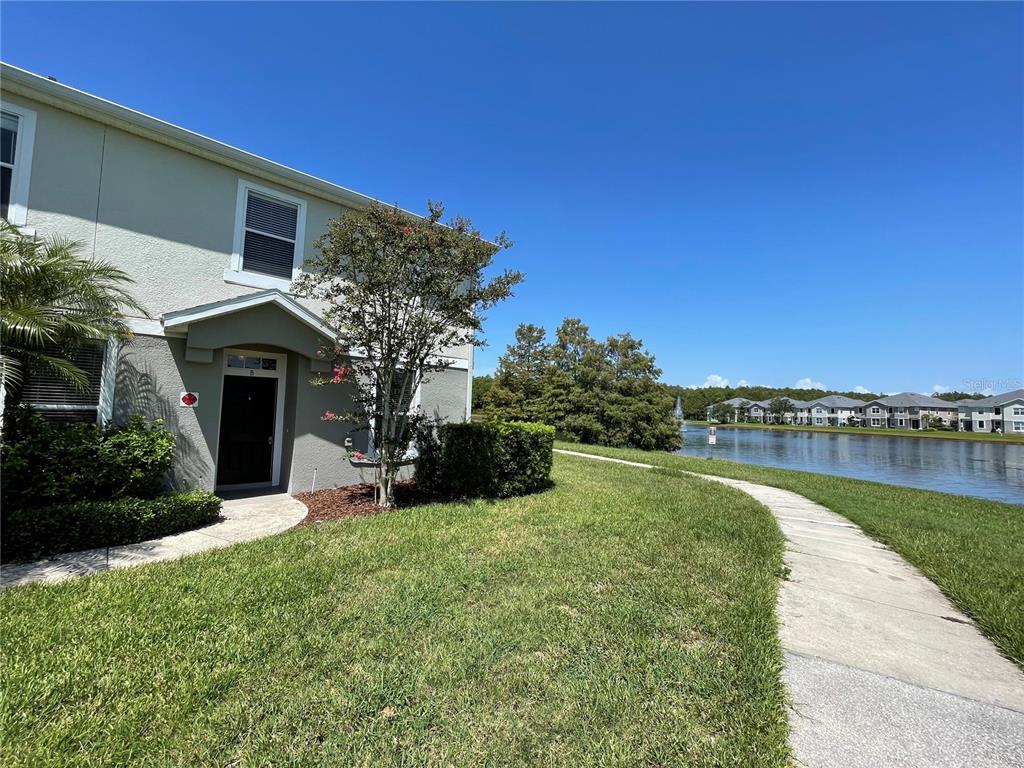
(45, 464)
(32, 533)
(493, 459)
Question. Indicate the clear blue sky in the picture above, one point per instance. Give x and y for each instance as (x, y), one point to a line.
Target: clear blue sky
(763, 192)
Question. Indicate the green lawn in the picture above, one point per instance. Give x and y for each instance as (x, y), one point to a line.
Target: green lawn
(938, 434)
(621, 618)
(973, 549)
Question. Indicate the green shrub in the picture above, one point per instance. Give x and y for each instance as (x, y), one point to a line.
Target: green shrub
(32, 533)
(46, 463)
(494, 459)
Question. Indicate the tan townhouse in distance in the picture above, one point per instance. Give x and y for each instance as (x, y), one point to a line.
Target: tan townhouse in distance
(907, 410)
(213, 237)
(1003, 412)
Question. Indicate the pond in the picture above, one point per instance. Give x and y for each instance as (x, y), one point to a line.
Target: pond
(987, 470)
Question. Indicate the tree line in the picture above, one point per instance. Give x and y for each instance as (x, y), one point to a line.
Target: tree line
(600, 392)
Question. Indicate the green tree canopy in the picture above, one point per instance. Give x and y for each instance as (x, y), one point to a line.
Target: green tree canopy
(595, 392)
(398, 290)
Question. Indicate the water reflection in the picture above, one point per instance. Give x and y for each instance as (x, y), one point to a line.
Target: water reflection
(986, 470)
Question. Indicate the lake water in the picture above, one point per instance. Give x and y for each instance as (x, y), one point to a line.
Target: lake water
(971, 468)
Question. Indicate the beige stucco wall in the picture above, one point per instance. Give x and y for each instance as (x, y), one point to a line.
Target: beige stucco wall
(151, 373)
(444, 395)
(167, 217)
(163, 215)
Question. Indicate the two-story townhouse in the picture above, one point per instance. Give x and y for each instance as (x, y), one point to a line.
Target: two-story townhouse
(833, 410)
(213, 237)
(999, 412)
(758, 411)
(907, 410)
(739, 406)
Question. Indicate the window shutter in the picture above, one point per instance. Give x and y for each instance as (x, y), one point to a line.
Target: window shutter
(270, 232)
(271, 216)
(268, 255)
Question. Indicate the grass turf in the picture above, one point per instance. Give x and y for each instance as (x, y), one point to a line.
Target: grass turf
(990, 437)
(972, 548)
(621, 618)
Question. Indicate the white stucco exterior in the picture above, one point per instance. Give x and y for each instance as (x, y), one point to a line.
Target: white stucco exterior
(162, 204)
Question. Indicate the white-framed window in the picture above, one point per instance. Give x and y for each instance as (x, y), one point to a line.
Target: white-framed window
(57, 399)
(875, 409)
(17, 137)
(1018, 426)
(981, 425)
(818, 420)
(269, 237)
(1018, 411)
(876, 422)
(901, 422)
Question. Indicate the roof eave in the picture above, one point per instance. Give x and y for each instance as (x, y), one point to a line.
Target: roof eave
(21, 82)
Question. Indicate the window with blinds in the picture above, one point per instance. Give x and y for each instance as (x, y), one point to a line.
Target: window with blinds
(8, 145)
(58, 399)
(270, 235)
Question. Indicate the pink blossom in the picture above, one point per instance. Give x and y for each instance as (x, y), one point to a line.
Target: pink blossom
(359, 455)
(339, 375)
(406, 230)
(328, 414)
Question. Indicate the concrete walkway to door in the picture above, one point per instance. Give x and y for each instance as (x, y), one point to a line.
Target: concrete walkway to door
(881, 669)
(243, 519)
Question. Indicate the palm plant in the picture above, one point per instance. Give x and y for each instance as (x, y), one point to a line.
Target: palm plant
(53, 300)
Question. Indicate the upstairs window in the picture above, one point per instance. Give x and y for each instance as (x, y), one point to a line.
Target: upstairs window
(268, 237)
(8, 143)
(56, 398)
(17, 133)
(270, 229)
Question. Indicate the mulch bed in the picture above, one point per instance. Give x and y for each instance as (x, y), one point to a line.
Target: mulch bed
(355, 501)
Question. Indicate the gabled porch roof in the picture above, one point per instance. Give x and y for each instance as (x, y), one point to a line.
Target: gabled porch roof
(179, 319)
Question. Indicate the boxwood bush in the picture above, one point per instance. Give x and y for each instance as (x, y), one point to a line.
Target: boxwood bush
(29, 533)
(493, 459)
(48, 463)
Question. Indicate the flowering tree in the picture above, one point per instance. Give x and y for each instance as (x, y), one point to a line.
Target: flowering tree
(399, 290)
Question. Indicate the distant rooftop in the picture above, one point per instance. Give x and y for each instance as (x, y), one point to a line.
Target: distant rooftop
(913, 400)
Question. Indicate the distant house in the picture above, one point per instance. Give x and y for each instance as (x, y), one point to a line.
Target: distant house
(907, 410)
(739, 407)
(999, 412)
(830, 411)
(761, 411)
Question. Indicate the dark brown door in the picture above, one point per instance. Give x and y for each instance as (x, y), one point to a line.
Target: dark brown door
(246, 449)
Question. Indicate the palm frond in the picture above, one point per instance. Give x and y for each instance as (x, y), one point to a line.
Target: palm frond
(51, 295)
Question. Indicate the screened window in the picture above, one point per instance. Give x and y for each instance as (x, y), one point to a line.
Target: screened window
(59, 400)
(8, 147)
(270, 235)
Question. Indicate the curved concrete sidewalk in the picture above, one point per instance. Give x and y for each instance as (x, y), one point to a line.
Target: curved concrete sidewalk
(242, 520)
(881, 669)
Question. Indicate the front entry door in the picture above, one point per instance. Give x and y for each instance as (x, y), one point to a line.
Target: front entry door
(246, 448)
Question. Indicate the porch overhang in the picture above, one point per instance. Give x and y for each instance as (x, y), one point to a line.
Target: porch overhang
(268, 317)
